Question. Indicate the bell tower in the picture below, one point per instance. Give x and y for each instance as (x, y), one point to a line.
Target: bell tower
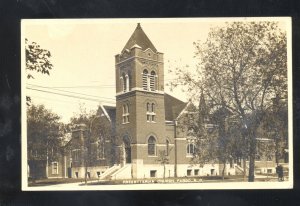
(140, 107)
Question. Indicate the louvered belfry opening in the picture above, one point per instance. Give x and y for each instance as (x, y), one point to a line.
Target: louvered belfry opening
(145, 79)
(152, 77)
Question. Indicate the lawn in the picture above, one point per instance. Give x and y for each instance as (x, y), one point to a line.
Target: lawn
(54, 181)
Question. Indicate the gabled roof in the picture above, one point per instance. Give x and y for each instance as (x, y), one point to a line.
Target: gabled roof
(173, 107)
(66, 138)
(111, 111)
(139, 38)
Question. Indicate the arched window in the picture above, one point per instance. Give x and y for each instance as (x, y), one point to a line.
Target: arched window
(125, 113)
(151, 146)
(127, 83)
(153, 107)
(167, 147)
(145, 79)
(190, 149)
(124, 108)
(152, 81)
(124, 82)
(121, 84)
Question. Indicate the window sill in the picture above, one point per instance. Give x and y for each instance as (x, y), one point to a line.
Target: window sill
(125, 122)
(151, 122)
(152, 155)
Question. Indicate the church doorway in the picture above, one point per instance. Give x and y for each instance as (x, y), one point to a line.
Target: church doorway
(126, 150)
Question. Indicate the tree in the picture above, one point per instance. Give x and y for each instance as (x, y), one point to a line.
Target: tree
(241, 67)
(163, 159)
(37, 60)
(275, 128)
(43, 135)
(97, 140)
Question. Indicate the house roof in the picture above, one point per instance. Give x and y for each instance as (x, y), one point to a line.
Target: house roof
(66, 138)
(111, 111)
(139, 39)
(173, 107)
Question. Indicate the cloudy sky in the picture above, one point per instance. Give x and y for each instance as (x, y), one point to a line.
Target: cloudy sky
(83, 57)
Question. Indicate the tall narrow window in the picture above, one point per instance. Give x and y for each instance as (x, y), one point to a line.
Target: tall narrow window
(150, 112)
(190, 150)
(145, 79)
(153, 112)
(127, 83)
(127, 116)
(125, 113)
(152, 81)
(167, 147)
(75, 154)
(54, 168)
(151, 146)
(124, 82)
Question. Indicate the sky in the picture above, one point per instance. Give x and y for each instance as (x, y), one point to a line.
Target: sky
(83, 57)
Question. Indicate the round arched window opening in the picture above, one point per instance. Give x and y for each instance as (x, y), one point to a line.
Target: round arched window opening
(151, 146)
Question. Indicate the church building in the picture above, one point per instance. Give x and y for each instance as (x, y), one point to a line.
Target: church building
(152, 130)
(151, 139)
(147, 117)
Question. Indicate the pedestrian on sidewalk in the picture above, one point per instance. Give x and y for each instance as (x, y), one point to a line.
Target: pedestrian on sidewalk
(279, 171)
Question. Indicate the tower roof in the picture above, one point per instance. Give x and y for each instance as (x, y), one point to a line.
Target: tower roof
(139, 39)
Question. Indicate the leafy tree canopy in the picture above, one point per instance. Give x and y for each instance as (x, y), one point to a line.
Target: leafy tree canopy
(242, 67)
(37, 59)
(43, 131)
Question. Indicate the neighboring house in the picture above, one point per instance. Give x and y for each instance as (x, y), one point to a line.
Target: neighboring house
(51, 162)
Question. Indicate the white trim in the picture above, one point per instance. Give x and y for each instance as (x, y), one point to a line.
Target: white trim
(182, 112)
(136, 46)
(105, 112)
(149, 49)
(142, 90)
(177, 139)
(138, 57)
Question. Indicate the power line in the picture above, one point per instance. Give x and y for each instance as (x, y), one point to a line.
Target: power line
(71, 92)
(51, 99)
(72, 96)
(86, 86)
(104, 86)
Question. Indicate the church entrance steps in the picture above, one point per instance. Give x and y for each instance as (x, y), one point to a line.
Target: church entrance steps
(122, 173)
(109, 171)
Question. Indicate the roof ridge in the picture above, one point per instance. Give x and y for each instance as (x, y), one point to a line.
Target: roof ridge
(176, 98)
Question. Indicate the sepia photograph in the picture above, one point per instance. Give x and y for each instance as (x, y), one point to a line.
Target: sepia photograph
(157, 104)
